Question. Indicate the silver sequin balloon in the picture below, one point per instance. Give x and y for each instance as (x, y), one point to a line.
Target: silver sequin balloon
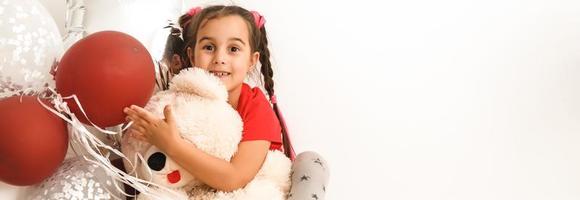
(29, 46)
(77, 179)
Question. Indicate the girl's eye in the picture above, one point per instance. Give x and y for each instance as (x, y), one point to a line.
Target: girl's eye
(207, 47)
(234, 49)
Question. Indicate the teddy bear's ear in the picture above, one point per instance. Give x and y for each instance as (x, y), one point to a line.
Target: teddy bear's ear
(199, 82)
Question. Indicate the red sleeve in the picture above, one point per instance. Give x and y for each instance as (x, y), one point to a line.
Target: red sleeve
(260, 121)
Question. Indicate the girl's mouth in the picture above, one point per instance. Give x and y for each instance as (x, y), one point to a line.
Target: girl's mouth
(220, 74)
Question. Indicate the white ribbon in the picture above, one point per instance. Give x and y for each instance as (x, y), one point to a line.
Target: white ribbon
(80, 136)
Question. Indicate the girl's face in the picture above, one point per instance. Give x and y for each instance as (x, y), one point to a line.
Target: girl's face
(223, 48)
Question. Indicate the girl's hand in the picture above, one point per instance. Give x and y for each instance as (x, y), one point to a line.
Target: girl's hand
(159, 132)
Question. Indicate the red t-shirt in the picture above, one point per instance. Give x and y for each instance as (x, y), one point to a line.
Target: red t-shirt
(260, 121)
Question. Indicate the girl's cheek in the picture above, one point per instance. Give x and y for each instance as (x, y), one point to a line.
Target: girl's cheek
(201, 63)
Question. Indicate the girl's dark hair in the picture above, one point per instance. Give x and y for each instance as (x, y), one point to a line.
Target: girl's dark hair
(258, 42)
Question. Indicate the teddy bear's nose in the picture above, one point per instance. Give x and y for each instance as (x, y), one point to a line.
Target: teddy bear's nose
(156, 161)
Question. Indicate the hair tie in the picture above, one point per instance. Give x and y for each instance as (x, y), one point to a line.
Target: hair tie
(258, 19)
(173, 30)
(193, 11)
(273, 99)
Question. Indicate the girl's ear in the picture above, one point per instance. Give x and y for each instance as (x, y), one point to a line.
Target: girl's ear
(254, 59)
(190, 56)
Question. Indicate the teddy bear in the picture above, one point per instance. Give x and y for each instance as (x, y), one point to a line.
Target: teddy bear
(203, 117)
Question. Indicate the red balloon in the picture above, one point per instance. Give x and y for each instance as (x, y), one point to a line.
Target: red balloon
(107, 71)
(33, 141)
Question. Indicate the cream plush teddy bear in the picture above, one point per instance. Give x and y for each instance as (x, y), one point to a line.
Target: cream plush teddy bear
(204, 118)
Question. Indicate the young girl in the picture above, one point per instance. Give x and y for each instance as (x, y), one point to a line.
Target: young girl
(227, 41)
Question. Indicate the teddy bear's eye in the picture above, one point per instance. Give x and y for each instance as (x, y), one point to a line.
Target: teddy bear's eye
(156, 161)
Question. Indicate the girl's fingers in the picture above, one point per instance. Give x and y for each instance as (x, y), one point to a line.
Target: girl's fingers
(129, 111)
(138, 128)
(133, 115)
(144, 114)
(137, 121)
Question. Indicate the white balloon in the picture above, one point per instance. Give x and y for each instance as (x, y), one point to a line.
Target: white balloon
(77, 178)
(57, 10)
(29, 46)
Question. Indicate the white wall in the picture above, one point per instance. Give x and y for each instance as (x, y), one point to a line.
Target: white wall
(424, 99)
(433, 99)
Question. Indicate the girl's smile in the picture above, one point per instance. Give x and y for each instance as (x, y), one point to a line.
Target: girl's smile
(222, 75)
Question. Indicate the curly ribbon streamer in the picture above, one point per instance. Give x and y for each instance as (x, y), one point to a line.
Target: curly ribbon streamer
(80, 136)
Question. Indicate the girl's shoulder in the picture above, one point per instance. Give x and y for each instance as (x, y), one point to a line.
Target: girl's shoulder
(251, 99)
(253, 93)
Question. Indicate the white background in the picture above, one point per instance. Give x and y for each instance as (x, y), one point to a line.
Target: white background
(421, 99)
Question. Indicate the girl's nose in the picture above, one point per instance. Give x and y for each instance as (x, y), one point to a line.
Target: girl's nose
(220, 57)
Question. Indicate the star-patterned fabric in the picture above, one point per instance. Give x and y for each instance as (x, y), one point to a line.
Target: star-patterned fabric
(309, 175)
